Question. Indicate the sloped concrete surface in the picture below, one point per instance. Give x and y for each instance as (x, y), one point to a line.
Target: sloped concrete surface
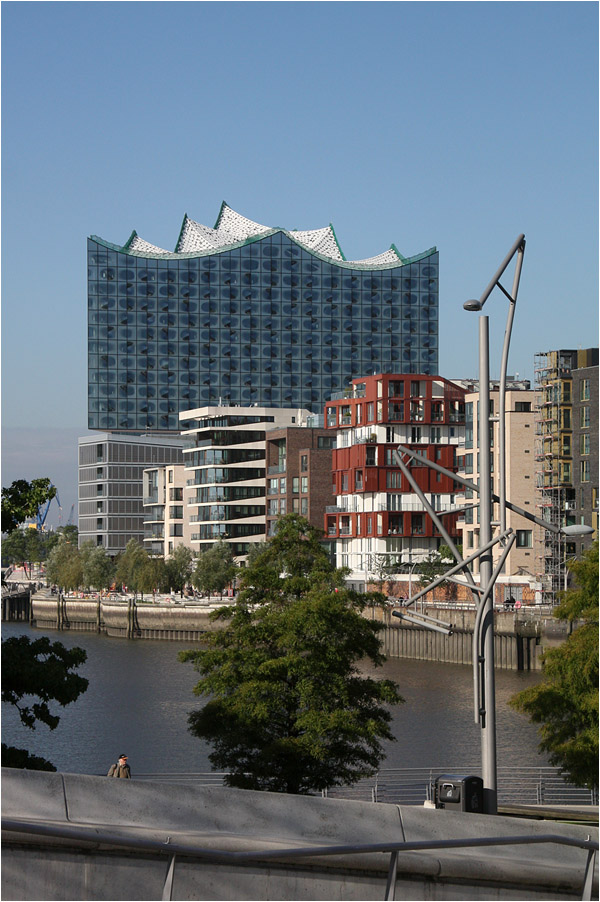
(86, 866)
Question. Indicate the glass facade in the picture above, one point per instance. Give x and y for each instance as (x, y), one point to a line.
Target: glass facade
(265, 322)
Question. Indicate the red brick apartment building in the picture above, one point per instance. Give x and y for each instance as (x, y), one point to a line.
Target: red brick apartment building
(376, 512)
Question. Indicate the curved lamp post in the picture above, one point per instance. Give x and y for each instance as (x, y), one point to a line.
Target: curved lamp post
(484, 636)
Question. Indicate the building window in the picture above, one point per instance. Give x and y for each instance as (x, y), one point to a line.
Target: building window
(273, 486)
(303, 463)
(584, 443)
(358, 414)
(282, 509)
(585, 417)
(585, 470)
(295, 505)
(273, 506)
(282, 486)
(304, 484)
(524, 538)
(522, 406)
(393, 479)
(344, 482)
(584, 394)
(370, 412)
(415, 434)
(295, 484)
(468, 459)
(416, 524)
(358, 481)
(436, 435)
(304, 507)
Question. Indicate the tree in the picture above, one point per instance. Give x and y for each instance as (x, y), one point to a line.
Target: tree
(179, 568)
(382, 568)
(130, 567)
(97, 566)
(64, 565)
(436, 565)
(22, 499)
(566, 701)
(288, 709)
(42, 670)
(215, 568)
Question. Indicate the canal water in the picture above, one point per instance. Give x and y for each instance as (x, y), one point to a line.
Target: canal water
(140, 695)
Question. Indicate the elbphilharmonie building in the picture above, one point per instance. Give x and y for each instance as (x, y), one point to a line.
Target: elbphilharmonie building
(244, 314)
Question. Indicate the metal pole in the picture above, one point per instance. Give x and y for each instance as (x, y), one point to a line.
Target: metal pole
(488, 715)
(502, 394)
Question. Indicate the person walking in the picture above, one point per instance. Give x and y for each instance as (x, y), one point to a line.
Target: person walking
(121, 769)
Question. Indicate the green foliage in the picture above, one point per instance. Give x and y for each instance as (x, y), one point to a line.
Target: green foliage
(565, 703)
(131, 566)
(435, 566)
(98, 568)
(21, 758)
(215, 568)
(382, 568)
(22, 499)
(179, 568)
(26, 544)
(40, 670)
(288, 709)
(64, 565)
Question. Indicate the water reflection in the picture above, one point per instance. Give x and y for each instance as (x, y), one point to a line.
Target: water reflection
(139, 697)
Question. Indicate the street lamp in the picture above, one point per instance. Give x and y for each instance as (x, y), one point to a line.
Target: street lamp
(484, 638)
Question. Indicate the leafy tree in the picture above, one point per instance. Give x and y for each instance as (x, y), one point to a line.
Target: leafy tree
(382, 568)
(41, 670)
(153, 576)
(215, 568)
(435, 565)
(64, 565)
(22, 499)
(97, 566)
(14, 547)
(288, 709)
(131, 565)
(566, 701)
(179, 567)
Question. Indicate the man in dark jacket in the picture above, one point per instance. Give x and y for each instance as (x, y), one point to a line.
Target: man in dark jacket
(121, 769)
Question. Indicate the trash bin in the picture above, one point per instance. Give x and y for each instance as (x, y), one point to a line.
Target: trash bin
(459, 793)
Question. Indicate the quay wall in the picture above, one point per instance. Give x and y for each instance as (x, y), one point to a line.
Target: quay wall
(520, 638)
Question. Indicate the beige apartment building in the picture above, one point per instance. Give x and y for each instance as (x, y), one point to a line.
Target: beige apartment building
(520, 577)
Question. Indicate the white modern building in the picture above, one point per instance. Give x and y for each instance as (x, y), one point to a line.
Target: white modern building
(225, 466)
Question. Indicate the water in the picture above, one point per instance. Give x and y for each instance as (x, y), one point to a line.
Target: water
(139, 696)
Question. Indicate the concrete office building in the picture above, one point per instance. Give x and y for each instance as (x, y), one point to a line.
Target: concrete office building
(377, 514)
(111, 467)
(245, 314)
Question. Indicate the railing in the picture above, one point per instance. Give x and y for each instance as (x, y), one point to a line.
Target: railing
(125, 838)
(414, 785)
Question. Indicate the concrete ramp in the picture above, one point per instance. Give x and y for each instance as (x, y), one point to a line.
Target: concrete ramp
(79, 837)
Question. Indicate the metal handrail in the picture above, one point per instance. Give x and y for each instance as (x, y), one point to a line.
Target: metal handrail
(98, 834)
(528, 785)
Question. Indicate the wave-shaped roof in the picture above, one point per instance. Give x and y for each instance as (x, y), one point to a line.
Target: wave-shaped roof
(232, 229)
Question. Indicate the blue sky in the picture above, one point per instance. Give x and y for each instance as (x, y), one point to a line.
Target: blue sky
(457, 125)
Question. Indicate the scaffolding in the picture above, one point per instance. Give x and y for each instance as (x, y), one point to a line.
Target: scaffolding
(555, 492)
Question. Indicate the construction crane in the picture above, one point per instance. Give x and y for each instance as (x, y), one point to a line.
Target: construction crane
(43, 509)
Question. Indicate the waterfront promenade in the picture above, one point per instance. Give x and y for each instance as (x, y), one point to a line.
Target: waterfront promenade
(520, 636)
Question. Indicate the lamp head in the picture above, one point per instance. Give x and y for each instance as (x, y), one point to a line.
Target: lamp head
(472, 305)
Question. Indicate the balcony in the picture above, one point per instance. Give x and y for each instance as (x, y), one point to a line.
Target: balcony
(277, 468)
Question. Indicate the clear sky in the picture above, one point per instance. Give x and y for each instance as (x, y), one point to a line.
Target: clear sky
(458, 125)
